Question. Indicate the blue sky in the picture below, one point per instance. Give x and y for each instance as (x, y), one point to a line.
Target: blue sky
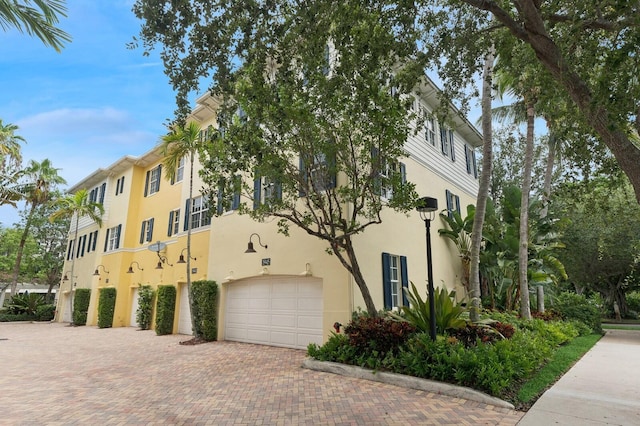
(91, 104)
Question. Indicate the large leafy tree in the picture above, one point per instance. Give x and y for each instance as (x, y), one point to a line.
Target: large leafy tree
(76, 206)
(181, 144)
(41, 179)
(37, 18)
(313, 107)
(602, 236)
(586, 50)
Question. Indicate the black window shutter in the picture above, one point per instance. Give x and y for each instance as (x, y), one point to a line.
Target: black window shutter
(90, 241)
(146, 183)
(84, 244)
(449, 203)
(103, 189)
(257, 186)
(278, 190)
(122, 184)
(386, 280)
(170, 229)
(159, 177)
(95, 240)
(119, 235)
(70, 250)
(475, 167)
(79, 247)
(458, 204)
(467, 158)
(443, 140)
(405, 279)
(142, 228)
(403, 173)
(377, 184)
(303, 177)
(333, 172)
(219, 199)
(236, 193)
(451, 146)
(106, 240)
(187, 215)
(150, 225)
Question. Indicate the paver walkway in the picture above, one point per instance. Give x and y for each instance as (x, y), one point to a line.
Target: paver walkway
(59, 375)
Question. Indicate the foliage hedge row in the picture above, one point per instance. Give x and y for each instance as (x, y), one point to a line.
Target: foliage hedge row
(81, 305)
(572, 306)
(494, 368)
(204, 298)
(165, 309)
(106, 307)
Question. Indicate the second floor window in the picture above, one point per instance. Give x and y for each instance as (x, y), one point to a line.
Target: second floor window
(152, 182)
(430, 131)
(174, 222)
(146, 231)
(265, 189)
(180, 170)
(112, 239)
(197, 213)
(446, 143)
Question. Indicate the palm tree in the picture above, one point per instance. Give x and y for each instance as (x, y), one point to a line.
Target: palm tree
(483, 189)
(10, 162)
(42, 178)
(77, 205)
(509, 83)
(41, 23)
(181, 143)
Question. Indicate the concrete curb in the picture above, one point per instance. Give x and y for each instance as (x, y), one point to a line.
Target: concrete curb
(405, 382)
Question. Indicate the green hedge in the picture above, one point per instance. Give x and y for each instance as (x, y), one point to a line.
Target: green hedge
(106, 307)
(81, 305)
(145, 306)
(204, 297)
(7, 317)
(165, 309)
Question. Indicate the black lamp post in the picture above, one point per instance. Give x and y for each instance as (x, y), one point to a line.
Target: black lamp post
(426, 207)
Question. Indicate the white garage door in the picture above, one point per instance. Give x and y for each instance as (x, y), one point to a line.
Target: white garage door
(133, 321)
(184, 315)
(66, 309)
(277, 311)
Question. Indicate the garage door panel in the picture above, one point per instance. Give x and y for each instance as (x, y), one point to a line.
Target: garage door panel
(184, 315)
(289, 304)
(133, 320)
(313, 322)
(283, 321)
(279, 311)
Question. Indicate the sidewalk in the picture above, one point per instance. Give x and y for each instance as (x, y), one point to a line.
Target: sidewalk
(603, 388)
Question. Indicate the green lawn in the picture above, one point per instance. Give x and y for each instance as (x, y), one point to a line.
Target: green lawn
(620, 327)
(562, 360)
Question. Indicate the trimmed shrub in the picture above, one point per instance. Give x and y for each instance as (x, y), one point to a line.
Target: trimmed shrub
(204, 296)
(145, 306)
(165, 309)
(106, 307)
(572, 306)
(45, 312)
(81, 305)
(7, 317)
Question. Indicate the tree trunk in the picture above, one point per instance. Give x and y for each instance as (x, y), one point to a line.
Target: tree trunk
(523, 252)
(23, 241)
(483, 190)
(548, 175)
(351, 264)
(194, 329)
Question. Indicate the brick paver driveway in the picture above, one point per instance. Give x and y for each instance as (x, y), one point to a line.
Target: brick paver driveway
(55, 374)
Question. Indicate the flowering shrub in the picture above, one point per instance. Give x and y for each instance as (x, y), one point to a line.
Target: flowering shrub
(378, 334)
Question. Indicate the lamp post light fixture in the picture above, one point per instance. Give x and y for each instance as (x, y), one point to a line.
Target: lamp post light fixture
(250, 248)
(181, 259)
(130, 270)
(427, 207)
(97, 271)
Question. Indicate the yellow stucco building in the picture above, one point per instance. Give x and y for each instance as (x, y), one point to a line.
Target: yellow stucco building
(289, 292)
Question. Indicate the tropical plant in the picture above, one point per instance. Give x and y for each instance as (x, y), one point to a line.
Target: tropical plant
(41, 179)
(24, 17)
(81, 306)
(26, 303)
(448, 312)
(460, 233)
(76, 206)
(106, 307)
(182, 143)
